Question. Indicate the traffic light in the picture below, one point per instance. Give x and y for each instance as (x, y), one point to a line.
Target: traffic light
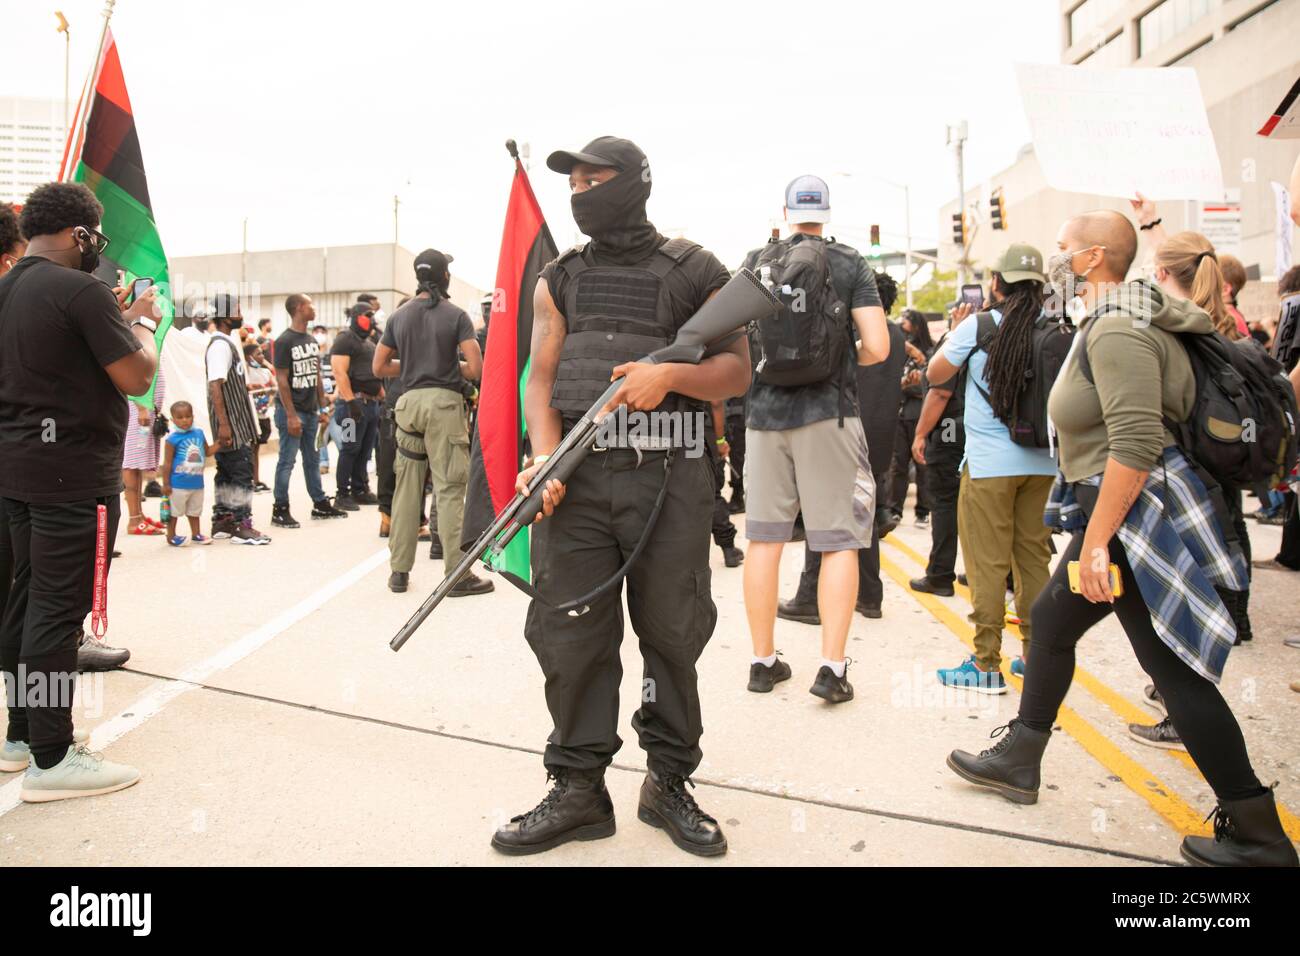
(875, 242)
(959, 229)
(997, 212)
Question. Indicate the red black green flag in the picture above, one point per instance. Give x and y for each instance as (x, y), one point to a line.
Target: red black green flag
(500, 430)
(103, 151)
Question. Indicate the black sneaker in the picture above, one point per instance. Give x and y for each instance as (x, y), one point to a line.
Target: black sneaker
(736, 506)
(152, 489)
(792, 610)
(398, 580)
(886, 521)
(1160, 735)
(871, 611)
(830, 688)
(577, 808)
(1151, 697)
(924, 585)
(94, 655)
(763, 678)
(281, 518)
(732, 556)
(667, 805)
(224, 527)
(346, 503)
(435, 548)
(324, 509)
(963, 580)
(259, 487)
(366, 498)
(471, 584)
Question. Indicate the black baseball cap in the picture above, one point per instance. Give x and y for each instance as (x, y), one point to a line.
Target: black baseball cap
(622, 154)
(432, 259)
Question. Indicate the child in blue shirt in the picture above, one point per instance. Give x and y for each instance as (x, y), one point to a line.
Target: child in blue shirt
(182, 474)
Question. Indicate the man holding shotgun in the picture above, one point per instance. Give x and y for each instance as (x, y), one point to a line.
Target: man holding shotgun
(635, 508)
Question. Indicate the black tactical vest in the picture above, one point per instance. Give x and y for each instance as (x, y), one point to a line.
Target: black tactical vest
(614, 314)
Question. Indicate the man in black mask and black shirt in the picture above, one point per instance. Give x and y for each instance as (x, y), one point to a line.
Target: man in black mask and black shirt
(597, 309)
(69, 352)
(357, 395)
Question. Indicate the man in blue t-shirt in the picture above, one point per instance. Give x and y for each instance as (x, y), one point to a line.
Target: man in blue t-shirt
(1004, 486)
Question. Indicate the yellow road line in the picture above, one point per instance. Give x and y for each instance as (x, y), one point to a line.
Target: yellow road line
(1121, 706)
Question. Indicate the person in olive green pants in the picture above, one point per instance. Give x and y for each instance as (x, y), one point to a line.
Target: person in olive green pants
(1000, 526)
(431, 433)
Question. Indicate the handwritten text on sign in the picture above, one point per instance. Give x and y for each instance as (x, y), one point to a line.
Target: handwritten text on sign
(1123, 131)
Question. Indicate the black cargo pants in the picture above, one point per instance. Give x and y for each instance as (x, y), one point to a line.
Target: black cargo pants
(583, 544)
(943, 472)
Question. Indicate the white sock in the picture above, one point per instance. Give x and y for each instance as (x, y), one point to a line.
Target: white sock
(766, 661)
(837, 667)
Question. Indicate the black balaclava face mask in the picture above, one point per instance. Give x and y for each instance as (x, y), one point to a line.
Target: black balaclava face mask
(613, 214)
(362, 324)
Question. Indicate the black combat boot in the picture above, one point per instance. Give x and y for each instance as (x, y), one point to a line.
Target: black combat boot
(577, 808)
(732, 556)
(1246, 833)
(801, 608)
(1011, 766)
(667, 804)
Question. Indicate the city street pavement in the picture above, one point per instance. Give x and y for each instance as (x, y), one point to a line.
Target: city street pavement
(273, 726)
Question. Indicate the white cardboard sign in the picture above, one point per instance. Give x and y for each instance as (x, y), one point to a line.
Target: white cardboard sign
(1117, 132)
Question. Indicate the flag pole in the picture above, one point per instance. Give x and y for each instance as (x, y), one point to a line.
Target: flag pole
(88, 96)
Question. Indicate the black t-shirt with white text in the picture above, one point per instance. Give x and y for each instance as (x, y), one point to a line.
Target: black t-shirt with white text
(62, 420)
(299, 355)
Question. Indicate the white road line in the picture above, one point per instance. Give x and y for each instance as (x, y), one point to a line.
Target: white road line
(155, 699)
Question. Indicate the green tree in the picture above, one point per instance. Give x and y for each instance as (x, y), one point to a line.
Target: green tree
(936, 294)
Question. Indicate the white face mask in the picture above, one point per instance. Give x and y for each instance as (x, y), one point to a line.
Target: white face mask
(380, 315)
(320, 338)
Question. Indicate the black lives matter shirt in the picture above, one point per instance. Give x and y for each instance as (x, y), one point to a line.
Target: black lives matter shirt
(299, 354)
(62, 420)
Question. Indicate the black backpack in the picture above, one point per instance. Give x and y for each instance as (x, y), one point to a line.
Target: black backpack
(805, 341)
(1242, 427)
(1049, 344)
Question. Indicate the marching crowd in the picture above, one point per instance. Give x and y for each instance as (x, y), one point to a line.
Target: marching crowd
(1075, 401)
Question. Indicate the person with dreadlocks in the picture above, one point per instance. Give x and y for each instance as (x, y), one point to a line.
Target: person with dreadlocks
(431, 431)
(1004, 486)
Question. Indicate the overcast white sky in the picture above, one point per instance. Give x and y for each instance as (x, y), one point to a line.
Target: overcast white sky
(308, 118)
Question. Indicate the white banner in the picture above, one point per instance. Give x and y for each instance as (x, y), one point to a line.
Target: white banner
(1283, 228)
(1118, 132)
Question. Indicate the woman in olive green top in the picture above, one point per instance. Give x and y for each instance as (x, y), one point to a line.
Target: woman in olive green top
(1162, 534)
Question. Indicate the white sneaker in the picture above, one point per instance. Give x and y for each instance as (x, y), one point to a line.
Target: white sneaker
(16, 754)
(80, 773)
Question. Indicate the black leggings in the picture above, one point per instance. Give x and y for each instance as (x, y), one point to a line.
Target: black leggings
(1198, 710)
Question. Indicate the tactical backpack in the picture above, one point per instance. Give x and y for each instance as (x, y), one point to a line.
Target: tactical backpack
(806, 340)
(1049, 345)
(1242, 427)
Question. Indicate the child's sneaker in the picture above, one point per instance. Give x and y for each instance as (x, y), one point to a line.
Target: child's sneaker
(79, 774)
(200, 539)
(1018, 667)
(969, 676)
(176, 540)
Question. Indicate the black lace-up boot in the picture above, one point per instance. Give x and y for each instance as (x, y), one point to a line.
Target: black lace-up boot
(667, 804)
(577, 808)
(1010, 766)
(1246, 833)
